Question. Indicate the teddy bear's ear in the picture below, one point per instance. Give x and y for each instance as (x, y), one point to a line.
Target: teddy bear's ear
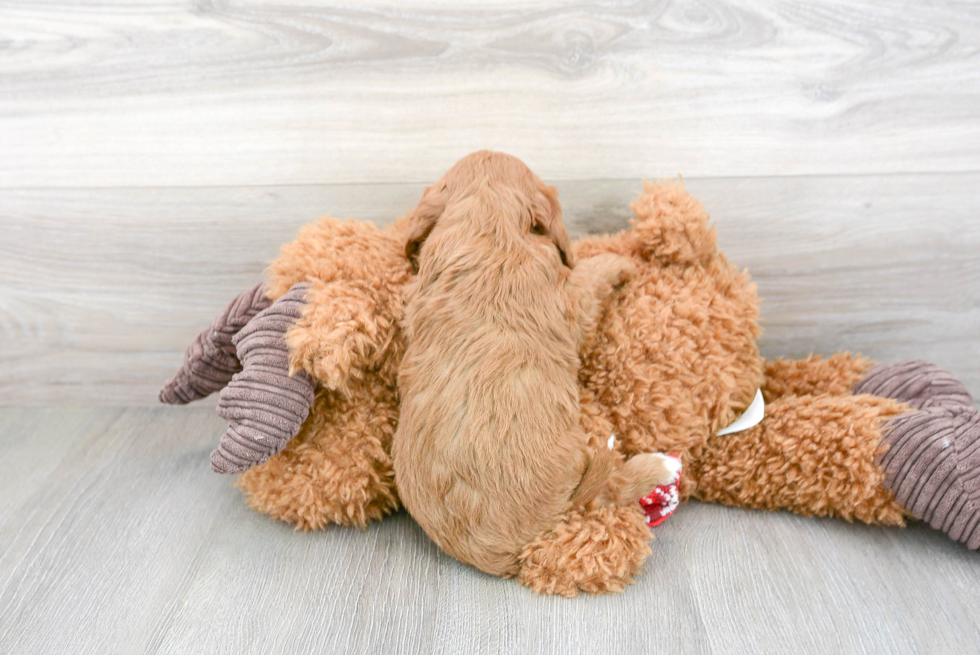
(421, 221)
(672, 226)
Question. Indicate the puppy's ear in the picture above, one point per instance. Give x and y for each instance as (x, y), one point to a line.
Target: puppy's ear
(421, 222)
(556, 228)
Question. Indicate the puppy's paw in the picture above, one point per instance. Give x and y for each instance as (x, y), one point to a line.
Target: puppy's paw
(623, 270)
(609, 268)
(671, 465)
(645, 472)
(658, 467)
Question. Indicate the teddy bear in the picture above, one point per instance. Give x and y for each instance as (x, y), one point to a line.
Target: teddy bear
(306, 364)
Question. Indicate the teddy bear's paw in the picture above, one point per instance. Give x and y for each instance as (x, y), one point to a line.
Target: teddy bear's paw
(596, 550)
(917, 383)
(932, 465)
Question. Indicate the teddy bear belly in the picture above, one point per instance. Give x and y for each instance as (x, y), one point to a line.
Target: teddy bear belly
(676, 358)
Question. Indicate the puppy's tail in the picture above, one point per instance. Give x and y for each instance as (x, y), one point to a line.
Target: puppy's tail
(612, 481)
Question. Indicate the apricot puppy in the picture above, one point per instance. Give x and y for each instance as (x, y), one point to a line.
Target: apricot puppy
(489, 452)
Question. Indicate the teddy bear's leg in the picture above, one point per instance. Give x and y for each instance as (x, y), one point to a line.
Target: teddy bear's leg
(814, 455)
(933, 467)
(865, 457)
(211, 360)
(338, 468)
(265, 406)
(835, 375)
(595, 550)
(932, 461)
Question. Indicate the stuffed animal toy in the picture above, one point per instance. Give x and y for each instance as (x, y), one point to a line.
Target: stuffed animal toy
(307, 364)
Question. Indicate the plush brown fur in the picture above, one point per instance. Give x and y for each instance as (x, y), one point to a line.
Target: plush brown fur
(813, 455)
(835, 375)
(489, 452)
(597, 549)
(338, 468)
(673, 358)
(675, 355)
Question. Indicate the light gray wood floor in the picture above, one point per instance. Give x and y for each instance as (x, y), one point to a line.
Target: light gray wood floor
(115, 538)
(155, 154)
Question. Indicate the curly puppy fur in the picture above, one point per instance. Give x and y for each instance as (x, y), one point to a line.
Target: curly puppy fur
(673, 358)
(489, 452)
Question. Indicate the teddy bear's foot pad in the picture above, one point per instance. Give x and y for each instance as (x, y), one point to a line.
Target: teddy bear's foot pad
(932, 465)
(264, 405)
(917, 383)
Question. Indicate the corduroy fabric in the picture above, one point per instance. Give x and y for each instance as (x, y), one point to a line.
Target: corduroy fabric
(932, 465)
(210, 361)
(917, 383)
(931, 458)
(264, 405)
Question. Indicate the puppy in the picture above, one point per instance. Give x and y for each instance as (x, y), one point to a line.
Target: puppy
(489, 452)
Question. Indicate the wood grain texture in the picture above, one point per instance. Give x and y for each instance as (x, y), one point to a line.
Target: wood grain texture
(168, 93)
(102, 289)
(155, 154)
(115, 538)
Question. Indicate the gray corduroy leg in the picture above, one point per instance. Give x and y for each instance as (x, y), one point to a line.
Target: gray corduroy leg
(932, 463)
(264, 405)
(211, 361)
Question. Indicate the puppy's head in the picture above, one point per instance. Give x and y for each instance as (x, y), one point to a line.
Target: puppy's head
(494, 198)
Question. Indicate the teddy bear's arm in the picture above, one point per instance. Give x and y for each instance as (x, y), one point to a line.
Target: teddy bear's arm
(344, 329)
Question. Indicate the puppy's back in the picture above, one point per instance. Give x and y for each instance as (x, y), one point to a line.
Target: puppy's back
(488, 398)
